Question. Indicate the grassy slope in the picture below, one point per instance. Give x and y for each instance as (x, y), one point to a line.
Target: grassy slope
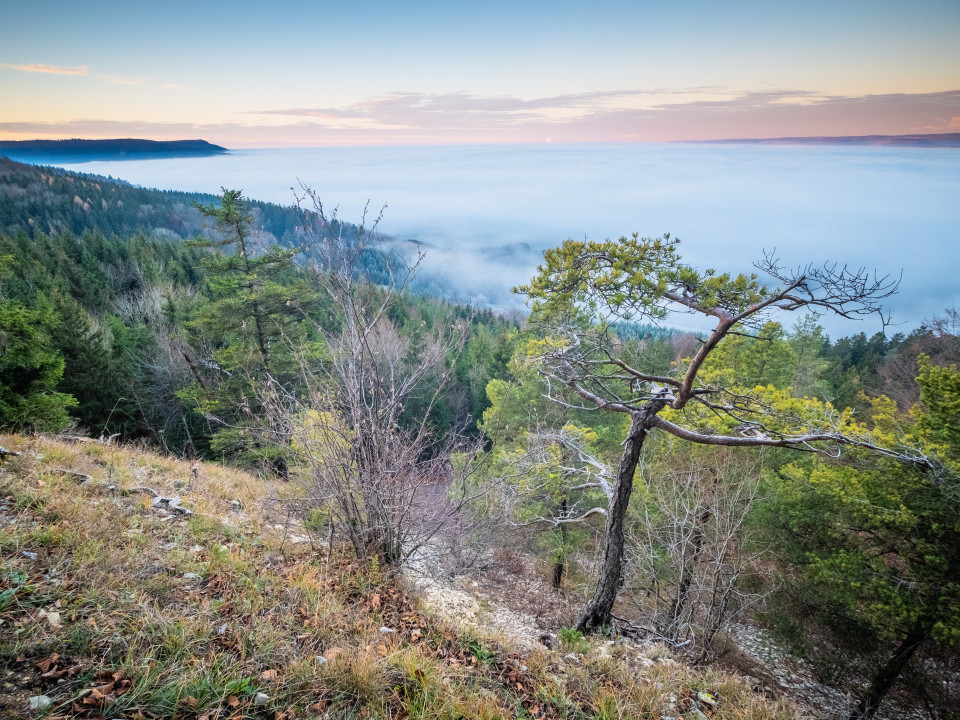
(99, 611)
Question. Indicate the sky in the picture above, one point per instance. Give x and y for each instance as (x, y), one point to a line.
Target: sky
(250, 73)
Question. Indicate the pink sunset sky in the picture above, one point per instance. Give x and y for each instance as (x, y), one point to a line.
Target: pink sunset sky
(244, 74)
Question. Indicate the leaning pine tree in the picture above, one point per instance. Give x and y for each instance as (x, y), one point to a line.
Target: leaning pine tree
(581, 286)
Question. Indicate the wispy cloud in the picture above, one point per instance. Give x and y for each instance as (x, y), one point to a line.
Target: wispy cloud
(123, 80)
(627, 115)
(172, 86)
(51, 69)
(424, 110)
(623, 116)
(77, 70)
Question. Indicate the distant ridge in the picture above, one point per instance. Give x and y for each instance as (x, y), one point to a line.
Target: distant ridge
(939, 140)
(120, 149)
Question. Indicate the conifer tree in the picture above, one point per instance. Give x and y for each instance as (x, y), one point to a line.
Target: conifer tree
(252, 325)
(30, 367)
(581, 286)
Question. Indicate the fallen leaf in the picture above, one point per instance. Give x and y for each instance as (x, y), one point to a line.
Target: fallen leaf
(45, 664)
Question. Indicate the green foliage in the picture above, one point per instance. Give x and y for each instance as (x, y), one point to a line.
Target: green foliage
(253, 323)
(878, 543)
(939, 421)
(318, 520)
(808, 341)
(631, 279)
(746, 362)
(573, 640)
(30, 369)
(52, 200)
(855, 364)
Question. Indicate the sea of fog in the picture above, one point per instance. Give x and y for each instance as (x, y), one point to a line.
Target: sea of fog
(893, 209)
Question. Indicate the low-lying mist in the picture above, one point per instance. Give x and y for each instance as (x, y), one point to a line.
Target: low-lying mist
(486, 213)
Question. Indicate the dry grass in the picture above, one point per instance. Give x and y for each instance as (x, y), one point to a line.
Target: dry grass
(114, 610)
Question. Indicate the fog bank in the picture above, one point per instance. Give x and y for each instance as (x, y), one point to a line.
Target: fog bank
(489, 211)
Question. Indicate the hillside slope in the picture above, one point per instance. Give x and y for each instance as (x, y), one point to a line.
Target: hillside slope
(51, 199)
(114, 604)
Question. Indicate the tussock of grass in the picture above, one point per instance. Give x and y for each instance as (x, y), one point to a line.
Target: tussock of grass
(113, 610)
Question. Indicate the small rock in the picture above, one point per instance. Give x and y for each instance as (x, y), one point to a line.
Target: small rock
(706, 699)
(190, 576)
(172, 503)
(236, 505)
(319, 660)
(260, 699)
(570, 657)
(52, 617)
(386, 631)
(30, 556)
(40, 702)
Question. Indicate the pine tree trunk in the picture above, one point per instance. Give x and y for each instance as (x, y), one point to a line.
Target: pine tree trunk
(598, 612)
(560, 564)
(890, 671)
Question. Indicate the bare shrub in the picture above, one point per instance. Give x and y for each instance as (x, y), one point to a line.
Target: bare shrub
(362, 433)
(691, 560)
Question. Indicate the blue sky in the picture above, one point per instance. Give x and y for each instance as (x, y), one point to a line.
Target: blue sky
(321, 73)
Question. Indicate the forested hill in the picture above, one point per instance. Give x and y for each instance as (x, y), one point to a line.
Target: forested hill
(119, 149)
(53, 200)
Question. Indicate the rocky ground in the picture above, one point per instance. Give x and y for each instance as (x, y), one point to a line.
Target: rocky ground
(511, 597)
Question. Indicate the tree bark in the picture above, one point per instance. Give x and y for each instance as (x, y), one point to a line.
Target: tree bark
(890, 671)
(598, 612)
(560, 564)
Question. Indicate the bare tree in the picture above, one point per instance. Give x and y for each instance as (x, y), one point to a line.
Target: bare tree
(382, 472)
(581, 283)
